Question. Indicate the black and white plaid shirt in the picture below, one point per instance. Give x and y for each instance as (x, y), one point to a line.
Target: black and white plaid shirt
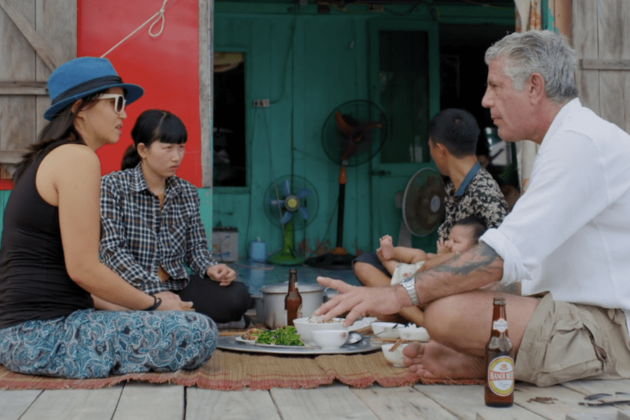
(138, 237)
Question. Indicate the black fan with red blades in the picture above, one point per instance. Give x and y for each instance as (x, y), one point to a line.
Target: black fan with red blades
(352, 134)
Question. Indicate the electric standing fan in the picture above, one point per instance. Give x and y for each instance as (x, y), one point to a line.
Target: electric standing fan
(290, 203)
(352, 134)
(422, 205)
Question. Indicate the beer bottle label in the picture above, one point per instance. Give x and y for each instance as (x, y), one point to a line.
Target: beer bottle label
(500, 325)
(501, 375)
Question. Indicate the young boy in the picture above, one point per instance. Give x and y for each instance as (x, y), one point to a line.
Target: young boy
(403, 262)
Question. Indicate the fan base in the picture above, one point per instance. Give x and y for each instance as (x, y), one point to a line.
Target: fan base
(286, 258)
(331, 261)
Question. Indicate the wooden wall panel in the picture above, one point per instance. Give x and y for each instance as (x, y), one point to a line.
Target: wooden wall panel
(17, 64)
(585, 45)
(601, 36)
(30, 28)
(206, 62)
(56, 23)
(614, 43)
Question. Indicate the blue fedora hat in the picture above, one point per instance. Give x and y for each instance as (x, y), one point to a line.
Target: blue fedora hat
(82, 77)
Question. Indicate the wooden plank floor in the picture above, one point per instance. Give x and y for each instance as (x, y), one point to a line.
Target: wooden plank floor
(140, 401)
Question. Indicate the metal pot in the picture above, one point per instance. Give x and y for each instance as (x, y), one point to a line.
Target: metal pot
(273, 302)
(260, 312)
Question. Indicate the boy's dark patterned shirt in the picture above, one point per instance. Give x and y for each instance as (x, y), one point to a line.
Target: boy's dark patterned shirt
(481, 198)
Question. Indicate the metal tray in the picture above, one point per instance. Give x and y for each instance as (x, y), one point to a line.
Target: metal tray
(230, 343)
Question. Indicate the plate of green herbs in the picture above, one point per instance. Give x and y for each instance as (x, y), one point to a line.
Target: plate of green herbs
(283, 336)
(286, 340)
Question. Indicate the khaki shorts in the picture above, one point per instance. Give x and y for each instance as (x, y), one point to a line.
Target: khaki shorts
(565, 342)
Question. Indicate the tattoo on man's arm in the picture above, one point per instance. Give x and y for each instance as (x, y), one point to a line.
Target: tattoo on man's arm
(510, 289)
(482, 259)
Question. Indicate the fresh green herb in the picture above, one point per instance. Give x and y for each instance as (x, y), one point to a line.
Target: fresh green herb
(285, 336)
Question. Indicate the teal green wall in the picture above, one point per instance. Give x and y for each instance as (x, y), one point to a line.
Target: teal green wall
(4, 196)
(205, 208)
(306, 64)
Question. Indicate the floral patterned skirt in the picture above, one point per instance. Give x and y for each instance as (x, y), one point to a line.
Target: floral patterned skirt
(96, 344)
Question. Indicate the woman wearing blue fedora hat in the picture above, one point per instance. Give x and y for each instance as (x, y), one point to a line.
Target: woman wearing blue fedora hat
(50, 273)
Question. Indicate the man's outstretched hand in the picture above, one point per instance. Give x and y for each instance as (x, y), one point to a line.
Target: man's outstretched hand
(361, 301)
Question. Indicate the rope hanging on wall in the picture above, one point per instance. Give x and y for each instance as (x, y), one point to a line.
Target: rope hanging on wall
(159, 17)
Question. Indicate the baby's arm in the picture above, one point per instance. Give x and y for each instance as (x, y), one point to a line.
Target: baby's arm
(435, 261)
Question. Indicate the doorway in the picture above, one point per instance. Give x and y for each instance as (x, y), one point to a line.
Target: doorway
(463, 74)
(405, 82)
(229, 154)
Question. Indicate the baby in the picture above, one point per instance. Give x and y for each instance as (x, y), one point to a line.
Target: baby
(403, 262)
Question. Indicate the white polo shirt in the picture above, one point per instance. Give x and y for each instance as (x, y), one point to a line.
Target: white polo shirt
(569, 234)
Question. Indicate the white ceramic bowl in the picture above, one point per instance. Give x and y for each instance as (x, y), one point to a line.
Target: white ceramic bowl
(330, 339)
(386, 329)
(305, 328)
(413, 333)
(394, 357)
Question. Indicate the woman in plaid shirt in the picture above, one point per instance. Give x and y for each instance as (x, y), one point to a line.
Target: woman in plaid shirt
(152, 226)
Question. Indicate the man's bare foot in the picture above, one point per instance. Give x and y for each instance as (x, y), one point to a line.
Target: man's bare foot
(434, 360)
(387, 247)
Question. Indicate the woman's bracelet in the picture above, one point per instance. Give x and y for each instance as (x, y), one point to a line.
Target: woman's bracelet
(156, 304)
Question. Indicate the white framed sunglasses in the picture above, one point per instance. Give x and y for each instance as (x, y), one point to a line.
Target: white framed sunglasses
(119, 101)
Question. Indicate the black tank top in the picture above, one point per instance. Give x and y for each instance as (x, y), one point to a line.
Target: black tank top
(34, 283)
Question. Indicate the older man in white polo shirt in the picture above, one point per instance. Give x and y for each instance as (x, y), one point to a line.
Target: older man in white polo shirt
(567, 240)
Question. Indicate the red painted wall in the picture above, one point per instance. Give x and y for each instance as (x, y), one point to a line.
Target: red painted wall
(167, 67)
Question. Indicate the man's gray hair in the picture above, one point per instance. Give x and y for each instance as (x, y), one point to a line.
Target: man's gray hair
(543, 52)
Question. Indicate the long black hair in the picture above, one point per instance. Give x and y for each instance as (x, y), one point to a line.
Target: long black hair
(153, 125)
(61, 127)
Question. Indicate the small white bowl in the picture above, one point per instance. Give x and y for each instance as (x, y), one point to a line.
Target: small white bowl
(305, 328)
(394, 357)
(330, 339)
(413, 333)
(386, 329)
